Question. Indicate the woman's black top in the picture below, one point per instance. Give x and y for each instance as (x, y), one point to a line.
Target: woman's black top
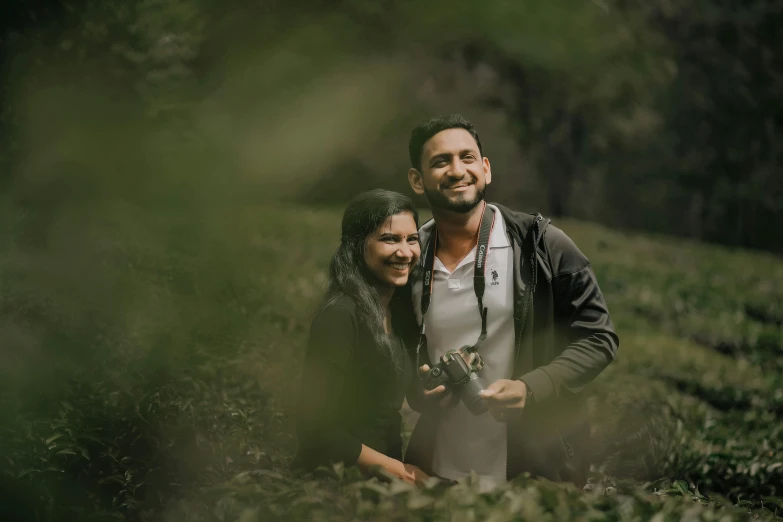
(351, 391)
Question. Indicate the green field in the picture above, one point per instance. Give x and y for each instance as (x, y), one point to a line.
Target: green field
(151, 360)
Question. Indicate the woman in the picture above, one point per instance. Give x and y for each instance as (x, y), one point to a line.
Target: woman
(357, 368)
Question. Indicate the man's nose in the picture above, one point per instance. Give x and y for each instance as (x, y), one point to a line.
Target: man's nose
(457, 168)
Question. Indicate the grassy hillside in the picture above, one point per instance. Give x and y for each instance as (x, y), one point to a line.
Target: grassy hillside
(150, 360)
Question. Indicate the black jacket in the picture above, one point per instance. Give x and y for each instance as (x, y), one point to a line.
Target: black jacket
(564, 339)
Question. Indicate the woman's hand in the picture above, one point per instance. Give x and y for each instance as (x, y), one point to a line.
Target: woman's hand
(369, 459)
(407, 472)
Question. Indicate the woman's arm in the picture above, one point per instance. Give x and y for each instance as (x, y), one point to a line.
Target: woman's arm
(327, 368)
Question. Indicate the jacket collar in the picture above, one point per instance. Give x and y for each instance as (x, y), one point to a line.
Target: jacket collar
(516, 224)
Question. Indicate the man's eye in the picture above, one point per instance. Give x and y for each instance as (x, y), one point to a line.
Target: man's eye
(469, 157)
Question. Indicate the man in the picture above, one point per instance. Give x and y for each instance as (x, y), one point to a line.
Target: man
(548, 331)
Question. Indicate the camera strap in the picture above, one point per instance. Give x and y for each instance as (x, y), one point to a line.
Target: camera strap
(479, 269)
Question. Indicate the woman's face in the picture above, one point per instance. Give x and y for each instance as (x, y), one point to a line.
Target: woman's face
(393, 249)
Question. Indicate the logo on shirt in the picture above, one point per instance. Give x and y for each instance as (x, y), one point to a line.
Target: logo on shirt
(494, 278)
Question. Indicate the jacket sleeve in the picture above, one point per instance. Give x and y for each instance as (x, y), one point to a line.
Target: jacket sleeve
(407, 327)
(415, 393)
(327, 369)
(582, 320)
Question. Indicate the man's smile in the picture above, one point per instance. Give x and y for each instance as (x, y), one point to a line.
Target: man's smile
(459, 187)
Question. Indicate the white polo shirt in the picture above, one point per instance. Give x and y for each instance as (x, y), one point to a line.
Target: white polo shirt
(466, 442)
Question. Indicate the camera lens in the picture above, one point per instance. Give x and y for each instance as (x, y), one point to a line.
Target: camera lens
(436, 372)
(470, 393)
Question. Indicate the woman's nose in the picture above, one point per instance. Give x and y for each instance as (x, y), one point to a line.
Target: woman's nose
(405, 252)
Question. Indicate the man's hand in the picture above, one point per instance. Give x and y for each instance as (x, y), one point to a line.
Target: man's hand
(439, 397)
(506, 399)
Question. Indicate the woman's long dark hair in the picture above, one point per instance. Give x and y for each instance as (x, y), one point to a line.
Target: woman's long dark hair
(348, 272)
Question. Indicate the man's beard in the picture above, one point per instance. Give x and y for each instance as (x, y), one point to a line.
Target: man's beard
(461, 205)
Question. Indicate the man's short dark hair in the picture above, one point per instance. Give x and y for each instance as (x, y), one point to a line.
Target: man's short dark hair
(426, 130)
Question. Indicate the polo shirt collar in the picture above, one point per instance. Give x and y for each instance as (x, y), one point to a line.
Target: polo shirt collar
(497, 239)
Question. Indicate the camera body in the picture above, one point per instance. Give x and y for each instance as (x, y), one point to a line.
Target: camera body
(459, 369)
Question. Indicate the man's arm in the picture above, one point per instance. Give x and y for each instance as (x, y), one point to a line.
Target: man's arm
(582, 315)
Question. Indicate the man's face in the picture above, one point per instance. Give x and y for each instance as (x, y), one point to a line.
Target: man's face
(453, 174)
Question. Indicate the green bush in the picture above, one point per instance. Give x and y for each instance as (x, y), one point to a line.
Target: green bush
(183, 412)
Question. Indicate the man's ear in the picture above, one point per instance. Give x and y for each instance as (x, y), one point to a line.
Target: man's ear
(487, 170)
(417, 183)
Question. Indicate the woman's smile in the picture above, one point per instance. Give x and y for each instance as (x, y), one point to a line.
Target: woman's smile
(399, 266)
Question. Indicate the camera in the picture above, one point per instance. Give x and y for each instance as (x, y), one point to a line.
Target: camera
(459, 370)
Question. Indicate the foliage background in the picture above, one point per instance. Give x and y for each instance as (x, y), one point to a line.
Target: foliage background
(171, 179)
